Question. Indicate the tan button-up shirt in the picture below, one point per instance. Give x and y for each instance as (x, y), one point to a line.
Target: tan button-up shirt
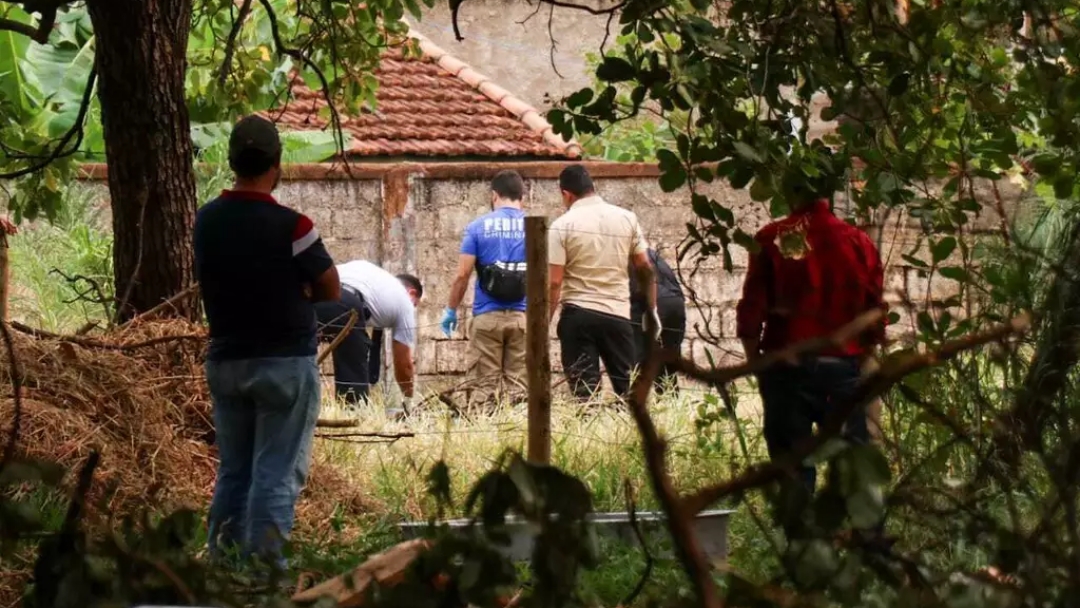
(593, 241)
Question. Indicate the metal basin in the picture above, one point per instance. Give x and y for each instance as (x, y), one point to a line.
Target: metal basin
(710, 527)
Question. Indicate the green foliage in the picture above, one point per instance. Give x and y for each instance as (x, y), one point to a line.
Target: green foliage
(76, 244)
(954, 94)
(44, 126)
(638, 138)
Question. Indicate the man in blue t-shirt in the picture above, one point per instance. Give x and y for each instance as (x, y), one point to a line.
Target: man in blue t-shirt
(494, 246)
(260, 267)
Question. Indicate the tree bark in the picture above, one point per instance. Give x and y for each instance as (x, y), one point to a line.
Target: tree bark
(141, 55)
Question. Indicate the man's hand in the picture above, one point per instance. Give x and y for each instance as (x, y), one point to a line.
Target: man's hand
(449, 321)
(651, 324)
(8, 226)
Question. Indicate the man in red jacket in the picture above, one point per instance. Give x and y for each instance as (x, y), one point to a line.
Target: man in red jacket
(812, 274)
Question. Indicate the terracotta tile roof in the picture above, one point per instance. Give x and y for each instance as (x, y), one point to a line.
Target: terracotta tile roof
(435, 105)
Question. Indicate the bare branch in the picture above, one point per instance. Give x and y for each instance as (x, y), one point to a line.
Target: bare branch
(678, 517)
(862, 324)
(230, 43)
(76, 131)
(303, 58)
(353, 316)
(889, 374)
(16, 396)
(171, 302)
(37, 34)
(91, 343)
(40, 34)
(588, 9)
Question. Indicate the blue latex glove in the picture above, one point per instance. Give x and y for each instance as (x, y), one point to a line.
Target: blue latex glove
(449, 321)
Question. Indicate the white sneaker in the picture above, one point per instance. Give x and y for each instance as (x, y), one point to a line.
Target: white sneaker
(396, 414)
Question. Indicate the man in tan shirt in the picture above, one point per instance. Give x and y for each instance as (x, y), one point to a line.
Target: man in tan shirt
(588, 250)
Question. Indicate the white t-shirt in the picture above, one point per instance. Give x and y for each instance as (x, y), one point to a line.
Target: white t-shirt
(386, 298)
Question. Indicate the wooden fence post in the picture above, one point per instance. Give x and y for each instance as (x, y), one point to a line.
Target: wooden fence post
(538, 347)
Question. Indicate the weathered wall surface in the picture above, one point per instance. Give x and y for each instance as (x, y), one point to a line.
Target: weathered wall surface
(509, 41)
(410, 218)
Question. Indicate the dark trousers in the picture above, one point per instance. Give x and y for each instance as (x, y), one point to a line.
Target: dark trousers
(673, 324)
(586, 338)
(357, 358)
(796, 397)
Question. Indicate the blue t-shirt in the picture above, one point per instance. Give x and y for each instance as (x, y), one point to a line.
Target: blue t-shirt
(498, 236)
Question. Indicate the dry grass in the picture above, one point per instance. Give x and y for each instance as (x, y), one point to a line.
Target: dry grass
(147, 410)
(601, 447)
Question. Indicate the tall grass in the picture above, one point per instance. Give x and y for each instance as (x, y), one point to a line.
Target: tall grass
(77, 244)
(602, 448)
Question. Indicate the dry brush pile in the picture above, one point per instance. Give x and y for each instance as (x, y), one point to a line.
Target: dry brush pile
(137, 395)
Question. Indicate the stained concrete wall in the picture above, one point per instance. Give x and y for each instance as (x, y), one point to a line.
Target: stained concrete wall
(410, 218)
(422, 233)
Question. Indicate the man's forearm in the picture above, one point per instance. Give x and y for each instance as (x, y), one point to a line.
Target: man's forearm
(457, 291)
(554, 294)
(405, 374)
(646, 278)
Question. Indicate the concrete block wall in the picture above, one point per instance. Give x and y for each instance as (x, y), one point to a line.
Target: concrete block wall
(409, 217)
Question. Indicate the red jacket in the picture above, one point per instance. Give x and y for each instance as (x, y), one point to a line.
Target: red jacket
(813, 274)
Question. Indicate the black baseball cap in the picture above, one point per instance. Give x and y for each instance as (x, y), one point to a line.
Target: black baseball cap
(254, 146)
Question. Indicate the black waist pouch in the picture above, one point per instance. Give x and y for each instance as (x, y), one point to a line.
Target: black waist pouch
(503, 281)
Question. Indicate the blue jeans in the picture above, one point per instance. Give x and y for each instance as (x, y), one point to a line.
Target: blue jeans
(264, 412)
(796, 397)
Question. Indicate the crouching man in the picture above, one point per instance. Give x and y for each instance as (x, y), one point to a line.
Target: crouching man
(382, 301)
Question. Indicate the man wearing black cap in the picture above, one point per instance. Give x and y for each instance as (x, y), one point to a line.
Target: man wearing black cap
(260, 267)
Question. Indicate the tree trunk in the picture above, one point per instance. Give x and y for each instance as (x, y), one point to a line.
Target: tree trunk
(141, 55)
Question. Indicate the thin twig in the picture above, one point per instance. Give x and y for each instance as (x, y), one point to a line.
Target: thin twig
(91, 343)
(874, 385)
(554, 43)
(338, 339)
(677, 515)
(76, 131)
(16, 391)
(377, 434)
(631, 509)
(188, 291)
(300, 56)
(130, 288)
(230, 43)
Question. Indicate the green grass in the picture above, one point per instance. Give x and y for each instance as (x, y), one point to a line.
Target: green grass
(602, 449)
(76, 244)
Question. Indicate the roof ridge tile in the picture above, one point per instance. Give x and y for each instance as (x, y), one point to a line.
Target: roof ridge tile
(511, 103)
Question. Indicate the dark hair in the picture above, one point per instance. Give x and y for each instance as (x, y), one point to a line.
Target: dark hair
(508, 185)
(251, 164)
(575, 180)
(412, 282)
(822, 183)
